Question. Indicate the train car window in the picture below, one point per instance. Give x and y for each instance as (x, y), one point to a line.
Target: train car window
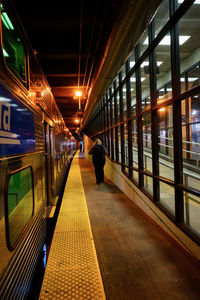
(19, 204)
(13, 48)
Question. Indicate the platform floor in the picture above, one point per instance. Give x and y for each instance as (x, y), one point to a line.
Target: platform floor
(72, 270)
(138, 260)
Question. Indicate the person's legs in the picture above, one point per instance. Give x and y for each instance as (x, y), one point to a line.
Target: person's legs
(97, 174)
(101, 171)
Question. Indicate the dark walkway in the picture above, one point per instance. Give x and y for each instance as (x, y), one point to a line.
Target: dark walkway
(137, 259)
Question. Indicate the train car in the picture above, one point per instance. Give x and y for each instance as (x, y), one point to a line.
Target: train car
(35, 149)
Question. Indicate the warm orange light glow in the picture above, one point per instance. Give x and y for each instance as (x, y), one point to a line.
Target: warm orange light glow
(78, 93)
(77, 120)
(162, 109)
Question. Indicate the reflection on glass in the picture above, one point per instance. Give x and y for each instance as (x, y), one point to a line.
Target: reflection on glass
(148, 184)
(147, 147)
(134, 143)
(113, 110)
(132, 60)
(107, 145)
(190, 109)
(111, 89)
(190, 78)
(119, 145)
(124, 102)
(123, 71)
(13, 49)
(167, 197)
(106, 115)
(135, 176)
(109, 140)
(144, 42)
(192, 212)
(166, 141)
(114, 149)
(145, 86)
(162, 16)
(126, 146)
(116, 142)
(163, 70)
(102, 117)
(190, 48)
(117, 81)
(135, 149)
(118, 107)
(133, 95)
(108, 110)
(20, 203)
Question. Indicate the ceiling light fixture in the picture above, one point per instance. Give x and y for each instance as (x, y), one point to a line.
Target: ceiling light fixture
(133, 79)
(189, 79)
(78, 93)
(166, 40)
(145, 63)
(195, 2)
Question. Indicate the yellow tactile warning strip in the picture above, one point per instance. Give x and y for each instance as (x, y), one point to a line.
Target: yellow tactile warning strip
(72, 270)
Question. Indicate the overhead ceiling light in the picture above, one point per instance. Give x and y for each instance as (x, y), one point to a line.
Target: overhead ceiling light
(190, 79)
(166, 40)
(195, 2)
(183, 39)
(133, 79)
(145, 63)
(78, 93)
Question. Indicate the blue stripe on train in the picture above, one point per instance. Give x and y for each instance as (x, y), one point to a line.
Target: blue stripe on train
(17, 132)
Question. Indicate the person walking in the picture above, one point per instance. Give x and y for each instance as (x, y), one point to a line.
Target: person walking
(81, 146)
(98, 152)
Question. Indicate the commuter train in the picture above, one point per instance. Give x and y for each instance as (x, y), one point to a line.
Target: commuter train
(35, 149)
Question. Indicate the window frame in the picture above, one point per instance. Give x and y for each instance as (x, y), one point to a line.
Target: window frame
(7, 227)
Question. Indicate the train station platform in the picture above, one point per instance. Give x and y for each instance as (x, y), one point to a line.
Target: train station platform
(105, 247)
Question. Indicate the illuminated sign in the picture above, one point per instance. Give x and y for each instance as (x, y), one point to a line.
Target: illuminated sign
(17, 133)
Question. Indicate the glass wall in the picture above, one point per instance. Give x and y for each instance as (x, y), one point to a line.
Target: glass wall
(189, 47)
(163, 69)
(155, 113)
(134, 150)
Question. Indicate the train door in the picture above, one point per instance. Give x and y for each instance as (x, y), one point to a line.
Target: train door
(48, 161)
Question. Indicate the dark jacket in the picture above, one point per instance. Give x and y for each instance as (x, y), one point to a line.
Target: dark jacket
(98, 153)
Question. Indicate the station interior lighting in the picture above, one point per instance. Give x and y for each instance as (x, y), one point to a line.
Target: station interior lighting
(166, 40)
(78, 93)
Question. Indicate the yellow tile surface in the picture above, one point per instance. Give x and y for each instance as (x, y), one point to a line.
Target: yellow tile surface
(72, 270)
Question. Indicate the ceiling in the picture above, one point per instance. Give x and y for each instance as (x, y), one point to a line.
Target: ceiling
(69, 38)
(83, 44)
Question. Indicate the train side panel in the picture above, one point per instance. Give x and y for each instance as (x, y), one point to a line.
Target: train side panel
(35, 149)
